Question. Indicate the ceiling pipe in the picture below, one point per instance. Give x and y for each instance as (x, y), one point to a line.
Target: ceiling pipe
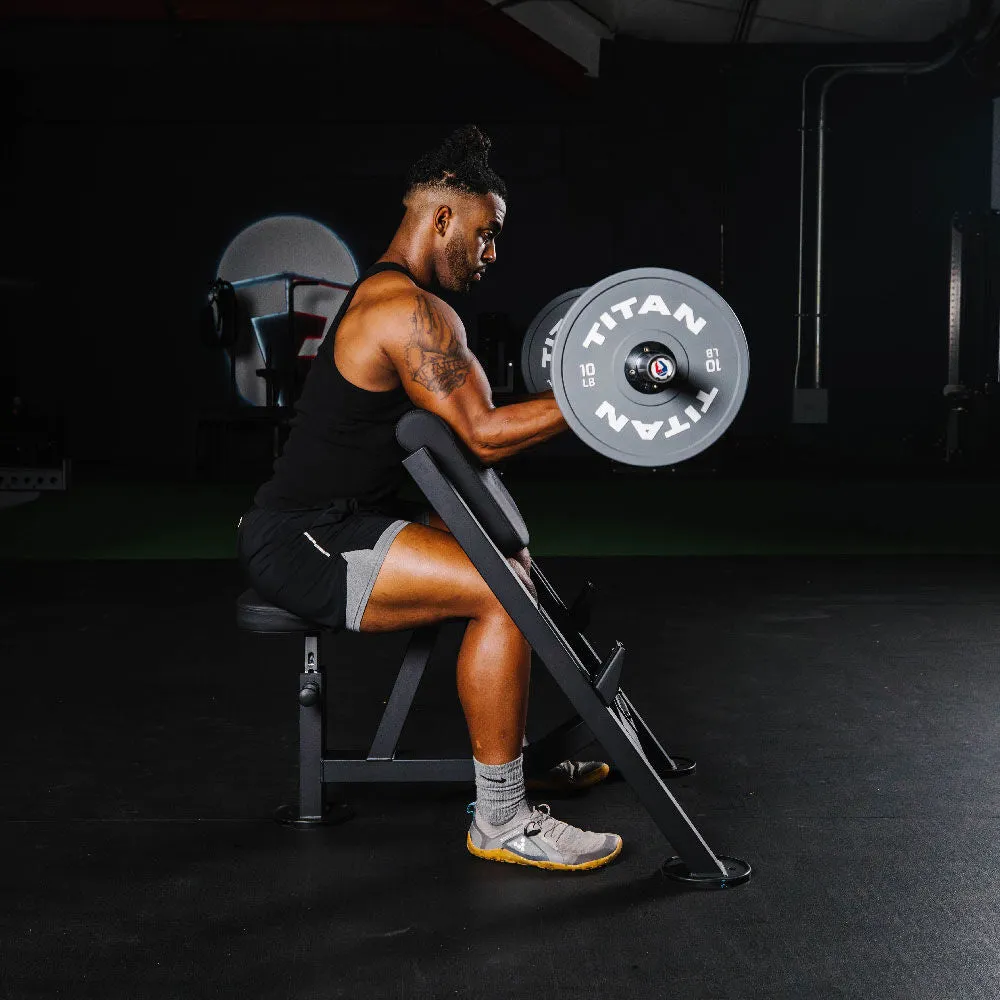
(963, 37)
(744, 22)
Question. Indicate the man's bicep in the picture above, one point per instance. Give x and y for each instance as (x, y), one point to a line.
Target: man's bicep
(430, 350)
(438, 371)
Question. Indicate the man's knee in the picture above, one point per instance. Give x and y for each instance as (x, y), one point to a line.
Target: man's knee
(489, 605)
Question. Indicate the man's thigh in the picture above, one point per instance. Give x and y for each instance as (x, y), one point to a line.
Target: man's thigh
(319, 565)
(425, 578)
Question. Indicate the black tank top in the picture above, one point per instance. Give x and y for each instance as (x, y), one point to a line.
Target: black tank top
(342, 439)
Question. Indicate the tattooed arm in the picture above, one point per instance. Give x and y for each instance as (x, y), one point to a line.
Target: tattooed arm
(426, 343)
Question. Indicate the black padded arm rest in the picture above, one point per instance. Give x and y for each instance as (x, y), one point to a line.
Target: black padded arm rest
(481, 488)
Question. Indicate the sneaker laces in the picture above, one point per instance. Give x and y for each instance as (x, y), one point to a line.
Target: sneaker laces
(542, 821)
(539, 814)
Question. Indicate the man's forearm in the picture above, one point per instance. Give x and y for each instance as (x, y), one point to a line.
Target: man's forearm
(525, 398)
(508, 430)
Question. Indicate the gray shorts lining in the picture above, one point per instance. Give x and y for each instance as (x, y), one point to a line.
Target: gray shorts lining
(362, 570)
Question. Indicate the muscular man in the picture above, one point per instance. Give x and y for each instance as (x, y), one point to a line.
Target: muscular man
(327, 537)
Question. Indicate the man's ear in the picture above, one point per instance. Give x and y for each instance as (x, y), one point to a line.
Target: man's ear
(442, 219)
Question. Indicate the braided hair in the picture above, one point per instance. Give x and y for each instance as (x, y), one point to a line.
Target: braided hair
(461, 162)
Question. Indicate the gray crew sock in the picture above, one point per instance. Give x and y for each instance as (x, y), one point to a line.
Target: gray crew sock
(499, 791)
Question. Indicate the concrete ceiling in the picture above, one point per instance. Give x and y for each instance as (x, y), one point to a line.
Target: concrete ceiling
(577, 26)
(779, 20)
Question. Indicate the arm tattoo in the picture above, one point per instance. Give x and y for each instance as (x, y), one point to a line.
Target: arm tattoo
(435, 356)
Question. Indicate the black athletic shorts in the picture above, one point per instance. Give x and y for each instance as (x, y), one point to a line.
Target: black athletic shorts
(320, 564)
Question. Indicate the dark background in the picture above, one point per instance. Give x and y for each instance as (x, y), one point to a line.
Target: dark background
(133, 153)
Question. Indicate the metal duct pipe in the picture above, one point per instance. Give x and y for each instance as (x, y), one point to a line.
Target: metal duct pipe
(803, 140)
(841, 70)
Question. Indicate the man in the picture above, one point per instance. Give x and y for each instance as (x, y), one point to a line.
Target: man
(326, 537)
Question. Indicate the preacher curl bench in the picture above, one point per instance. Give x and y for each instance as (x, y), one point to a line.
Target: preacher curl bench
(482, 516)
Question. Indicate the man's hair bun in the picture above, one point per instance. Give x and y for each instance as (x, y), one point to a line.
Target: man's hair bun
(460, 162)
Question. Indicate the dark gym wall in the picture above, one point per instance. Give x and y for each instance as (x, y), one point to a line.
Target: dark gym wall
(134, 153)
(890, 240)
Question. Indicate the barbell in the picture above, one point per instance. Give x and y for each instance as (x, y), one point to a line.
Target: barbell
(649, 366)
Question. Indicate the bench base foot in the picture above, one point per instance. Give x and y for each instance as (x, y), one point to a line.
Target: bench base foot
(737, 871)
(334, 813)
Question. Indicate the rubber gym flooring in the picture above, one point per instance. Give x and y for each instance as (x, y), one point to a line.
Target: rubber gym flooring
(833, 668)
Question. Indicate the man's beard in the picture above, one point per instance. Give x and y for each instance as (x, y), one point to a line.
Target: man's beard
(456, 256)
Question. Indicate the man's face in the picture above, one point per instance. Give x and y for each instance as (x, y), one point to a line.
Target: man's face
(470, 245)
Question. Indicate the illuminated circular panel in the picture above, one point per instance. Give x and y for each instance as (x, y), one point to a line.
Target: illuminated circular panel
(282, 243)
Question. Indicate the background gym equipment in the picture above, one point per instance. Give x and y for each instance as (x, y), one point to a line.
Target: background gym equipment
(287, 341)
(256, 263)
(32, 437)
(972, 425)
(494, 341)
(278, 286)
(649, 366)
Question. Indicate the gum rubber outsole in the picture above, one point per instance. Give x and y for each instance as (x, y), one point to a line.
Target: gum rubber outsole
(515, 859)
